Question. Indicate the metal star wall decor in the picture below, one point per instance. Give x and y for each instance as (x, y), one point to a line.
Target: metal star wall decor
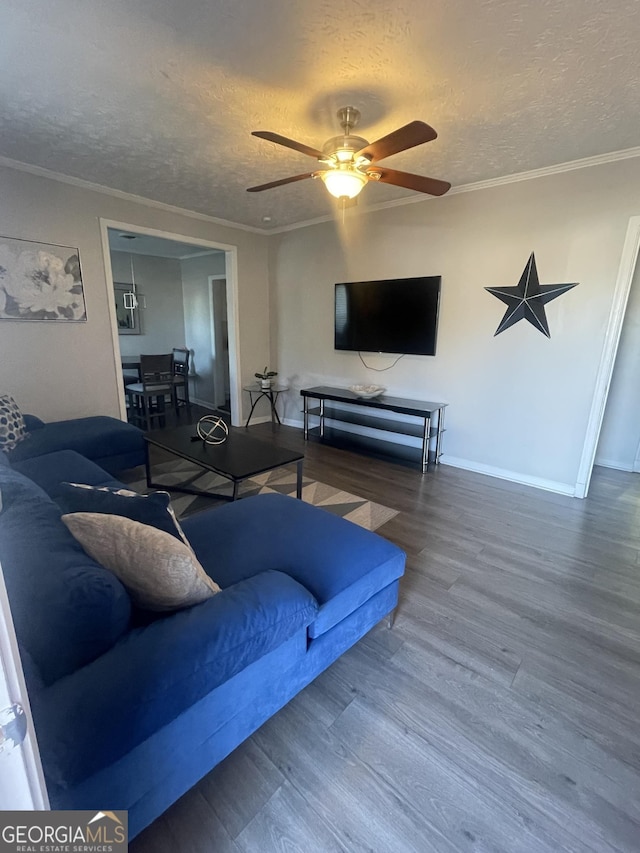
(526, 301)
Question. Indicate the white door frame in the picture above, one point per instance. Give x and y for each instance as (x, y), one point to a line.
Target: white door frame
(626, 272)
(231, 271)
(22, 784)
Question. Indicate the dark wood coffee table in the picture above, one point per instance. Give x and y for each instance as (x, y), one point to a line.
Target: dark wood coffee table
(240, 457)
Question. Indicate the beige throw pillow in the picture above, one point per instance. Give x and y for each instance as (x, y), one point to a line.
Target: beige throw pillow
(159, 571)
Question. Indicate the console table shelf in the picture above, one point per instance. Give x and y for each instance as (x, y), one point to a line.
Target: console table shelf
(427, 424)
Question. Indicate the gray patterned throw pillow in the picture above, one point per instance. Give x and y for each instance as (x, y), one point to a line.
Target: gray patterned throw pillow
(12, 428)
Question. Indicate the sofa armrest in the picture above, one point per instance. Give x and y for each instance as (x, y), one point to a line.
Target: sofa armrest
(97, 714)
(32, 422)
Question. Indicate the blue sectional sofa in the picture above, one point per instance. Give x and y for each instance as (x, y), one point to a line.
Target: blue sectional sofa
(132, 709)
(110, 443)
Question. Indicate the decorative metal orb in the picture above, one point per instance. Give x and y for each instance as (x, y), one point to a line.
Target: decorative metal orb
(212, 429)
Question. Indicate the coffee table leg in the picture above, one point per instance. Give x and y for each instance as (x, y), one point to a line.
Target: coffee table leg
(236, 483)
(299, 480)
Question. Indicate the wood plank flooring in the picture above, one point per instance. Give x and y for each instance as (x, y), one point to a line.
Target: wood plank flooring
(501, 712)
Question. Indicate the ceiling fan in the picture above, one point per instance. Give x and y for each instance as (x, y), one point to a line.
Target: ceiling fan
(350, 162)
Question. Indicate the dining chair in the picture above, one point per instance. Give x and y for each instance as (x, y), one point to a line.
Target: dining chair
(181, 379)
(147, 397)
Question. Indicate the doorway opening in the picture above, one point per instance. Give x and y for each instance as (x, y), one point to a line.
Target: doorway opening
(626, 272)
(220, 341)
(619, 440)
(164, 297)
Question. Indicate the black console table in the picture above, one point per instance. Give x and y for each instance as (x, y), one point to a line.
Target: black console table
(426, 422)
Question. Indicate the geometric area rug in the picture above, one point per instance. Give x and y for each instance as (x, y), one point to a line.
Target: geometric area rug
(283, 480)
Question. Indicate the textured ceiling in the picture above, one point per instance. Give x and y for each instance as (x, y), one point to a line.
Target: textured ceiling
(159, 97)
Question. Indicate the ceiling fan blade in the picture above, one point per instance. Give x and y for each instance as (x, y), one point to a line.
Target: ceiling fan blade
(431, 186)
(412, 134)
(289, 143)
(279, 183)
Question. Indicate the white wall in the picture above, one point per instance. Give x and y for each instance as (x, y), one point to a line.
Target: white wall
(67, 370)
(519, 402)
(199, 327)
(620, 434)
(162, 321)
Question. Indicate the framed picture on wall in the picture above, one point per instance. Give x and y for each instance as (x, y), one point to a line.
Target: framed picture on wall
(40, 281)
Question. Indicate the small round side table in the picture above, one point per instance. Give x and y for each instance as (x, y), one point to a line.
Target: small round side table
(256, 393)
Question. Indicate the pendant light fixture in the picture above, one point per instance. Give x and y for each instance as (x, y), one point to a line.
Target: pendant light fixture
(130, 298)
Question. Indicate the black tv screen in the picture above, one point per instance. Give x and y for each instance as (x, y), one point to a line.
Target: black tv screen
(398, 315)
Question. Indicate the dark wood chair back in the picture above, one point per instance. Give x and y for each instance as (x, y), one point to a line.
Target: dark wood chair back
(156, 369)
(181, 357)
(181, 361)
(146, 399)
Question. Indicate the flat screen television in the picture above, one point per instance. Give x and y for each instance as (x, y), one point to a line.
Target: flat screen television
(396, 315)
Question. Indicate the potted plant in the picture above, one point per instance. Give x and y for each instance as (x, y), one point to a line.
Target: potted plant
(266, 378)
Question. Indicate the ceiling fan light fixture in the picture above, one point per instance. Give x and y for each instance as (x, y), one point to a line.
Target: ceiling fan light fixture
(344, 155)
(349, 161)
(343, 183)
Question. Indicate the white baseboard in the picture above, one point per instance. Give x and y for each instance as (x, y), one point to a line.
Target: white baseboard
(206, 404)
(611, 463)
(262, 419)
(478, 467)
(512, 476)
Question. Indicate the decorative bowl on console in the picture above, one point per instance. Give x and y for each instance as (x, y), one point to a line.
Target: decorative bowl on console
(367, 391)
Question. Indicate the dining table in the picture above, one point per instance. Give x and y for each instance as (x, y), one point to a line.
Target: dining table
(131, 362)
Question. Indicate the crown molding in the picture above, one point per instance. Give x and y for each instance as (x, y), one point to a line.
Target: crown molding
(41, 172)
(517, 177)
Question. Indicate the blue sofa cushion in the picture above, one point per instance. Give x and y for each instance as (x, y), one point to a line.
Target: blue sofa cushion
(157, 672)
(32, 422)
(341, 564)
(154, 509)
(4, 460)
(51, 469)
(97, 438)
(15, 486)
(67, 609)
(12, 427)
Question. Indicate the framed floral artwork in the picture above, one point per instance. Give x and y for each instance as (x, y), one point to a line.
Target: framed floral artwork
(40, 281)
